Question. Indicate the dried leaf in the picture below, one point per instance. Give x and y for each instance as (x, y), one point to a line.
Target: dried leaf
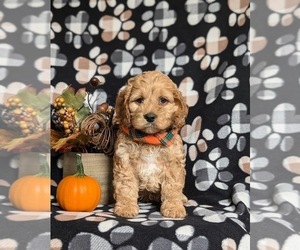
(26, 95)
(38, 141)
(81, 94)
(76, 100)
(6, 136)
(82, 114)
(29, 97)
(73, 99)
(12, 140)
(75, 142)
(40, 102)
(55, 136)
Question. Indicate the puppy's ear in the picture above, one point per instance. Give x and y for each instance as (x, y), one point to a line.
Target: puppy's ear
(122, 113)
(182, 110)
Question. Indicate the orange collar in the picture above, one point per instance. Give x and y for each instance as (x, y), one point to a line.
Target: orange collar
(159, 139)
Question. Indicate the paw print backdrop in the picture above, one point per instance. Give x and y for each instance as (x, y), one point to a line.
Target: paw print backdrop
(275, 124)
(202, 46)
(188, 41)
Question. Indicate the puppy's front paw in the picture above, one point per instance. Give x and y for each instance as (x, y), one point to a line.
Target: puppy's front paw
(128, 210)
(173, 209)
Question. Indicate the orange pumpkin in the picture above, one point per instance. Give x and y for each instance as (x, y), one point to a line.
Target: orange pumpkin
(32, 193)
(78, 192)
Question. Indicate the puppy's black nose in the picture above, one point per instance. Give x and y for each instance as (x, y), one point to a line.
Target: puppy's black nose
(150, 117)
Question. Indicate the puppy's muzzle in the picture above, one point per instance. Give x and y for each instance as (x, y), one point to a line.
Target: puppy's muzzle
(150, 117)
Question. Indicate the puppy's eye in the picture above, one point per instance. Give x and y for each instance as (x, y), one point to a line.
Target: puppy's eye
(163, 100)
(139, 100)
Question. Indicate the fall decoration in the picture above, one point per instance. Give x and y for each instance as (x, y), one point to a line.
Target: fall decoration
(68, 111)
(32, 193)
(26, 122)
(97, 127)
(98, 166)
(76, 127)
(78, 192)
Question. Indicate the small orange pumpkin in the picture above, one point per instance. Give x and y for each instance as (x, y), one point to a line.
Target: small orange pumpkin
(78, 192)
(32, 193)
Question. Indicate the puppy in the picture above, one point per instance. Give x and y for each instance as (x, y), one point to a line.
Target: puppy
(149, 161)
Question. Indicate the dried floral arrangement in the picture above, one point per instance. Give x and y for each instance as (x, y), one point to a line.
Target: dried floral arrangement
(25, 121)
(77, 127)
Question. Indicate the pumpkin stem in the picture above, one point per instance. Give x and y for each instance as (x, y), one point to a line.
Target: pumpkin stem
(44, 167)
(80, 169)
